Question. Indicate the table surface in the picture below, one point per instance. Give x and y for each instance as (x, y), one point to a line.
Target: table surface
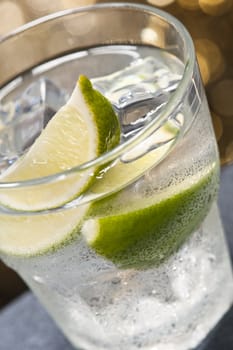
(25, 325)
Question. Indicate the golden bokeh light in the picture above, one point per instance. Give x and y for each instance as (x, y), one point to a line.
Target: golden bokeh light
(13, 16)
(215, 7)
(154, 34)
(221, 97)
(229, 153)
(67, 4)
(192, 5)
(74, 26)
(41, 7)
(210, 59)
(77, 27)
(218, 127)
(204, 68)
(149, 35)
(160, 3)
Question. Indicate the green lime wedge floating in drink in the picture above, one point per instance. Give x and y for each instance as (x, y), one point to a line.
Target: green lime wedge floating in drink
(83, 129)
(33, 235)
(133, 231)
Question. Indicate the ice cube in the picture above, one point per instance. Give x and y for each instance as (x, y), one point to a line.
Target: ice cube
(23, 119)
(141, 80)
(138, 92)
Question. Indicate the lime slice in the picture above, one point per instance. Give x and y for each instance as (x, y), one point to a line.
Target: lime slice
(38, 234)
(83, 129)
(131, 231)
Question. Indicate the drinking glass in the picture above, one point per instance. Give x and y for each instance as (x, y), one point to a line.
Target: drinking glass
(139, 259)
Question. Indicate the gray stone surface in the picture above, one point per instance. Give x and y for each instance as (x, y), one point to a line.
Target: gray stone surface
(24, 325)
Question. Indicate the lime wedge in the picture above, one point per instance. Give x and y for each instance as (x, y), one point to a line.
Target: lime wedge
(38, 234)
(83, 129)
(132, 231)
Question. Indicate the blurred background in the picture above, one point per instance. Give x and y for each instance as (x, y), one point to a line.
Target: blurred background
(210, 23)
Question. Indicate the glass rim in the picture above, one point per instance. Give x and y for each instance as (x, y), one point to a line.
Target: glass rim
(147, 130)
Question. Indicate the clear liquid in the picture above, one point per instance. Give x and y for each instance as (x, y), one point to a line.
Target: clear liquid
(98, 305)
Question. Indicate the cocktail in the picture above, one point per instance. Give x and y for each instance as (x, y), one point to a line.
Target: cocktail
(108, 204)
